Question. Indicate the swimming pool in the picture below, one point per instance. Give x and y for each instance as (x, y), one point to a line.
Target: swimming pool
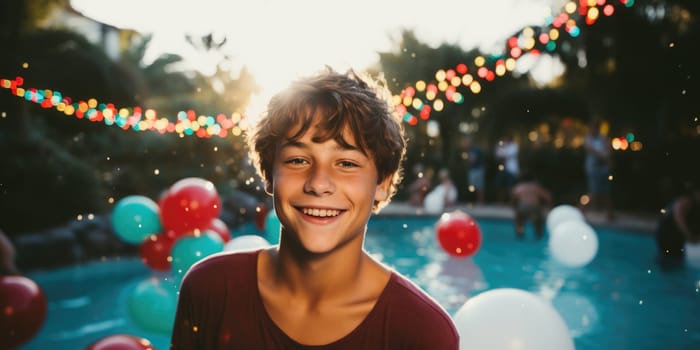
(621, 300)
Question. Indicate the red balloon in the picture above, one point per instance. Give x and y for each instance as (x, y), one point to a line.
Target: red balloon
(121, 342)
(155, 251)
(171, 234)
(458, 234)
(219, 226)
(189, 204)
(22, 310)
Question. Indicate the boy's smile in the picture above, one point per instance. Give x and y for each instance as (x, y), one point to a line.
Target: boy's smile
(321, 212)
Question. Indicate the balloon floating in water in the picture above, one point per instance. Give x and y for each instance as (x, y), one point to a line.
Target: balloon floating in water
(189, 204)
(121, 342)
(509, 318)
(151, 305)
(22, 310)
(219, 226)
(563, 213)
(573, 243)
(459, 234)
(190, 249)
(155, 251)
(136, 217)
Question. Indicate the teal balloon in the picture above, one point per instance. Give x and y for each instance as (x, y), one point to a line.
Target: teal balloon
(152, 304)
(273, 226)
(136, 217)
(191, 248)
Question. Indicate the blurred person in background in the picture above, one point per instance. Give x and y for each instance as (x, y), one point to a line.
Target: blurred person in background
(597, 166)
(420, 187)
(443, 196)
(530, 202)
(507, 155)
(476, 169)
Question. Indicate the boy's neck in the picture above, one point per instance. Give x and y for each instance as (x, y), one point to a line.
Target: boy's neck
(322, 276)
(334, 292)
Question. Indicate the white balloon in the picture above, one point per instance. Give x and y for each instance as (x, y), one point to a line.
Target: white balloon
(692, 254)
(573, 243)
(510, 319)
(434, 201)
(245, 243)
(563, 213)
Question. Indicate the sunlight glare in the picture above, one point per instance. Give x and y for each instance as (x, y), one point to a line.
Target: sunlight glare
(279, 41)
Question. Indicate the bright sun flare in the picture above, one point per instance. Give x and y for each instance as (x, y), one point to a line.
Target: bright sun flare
(280, 40)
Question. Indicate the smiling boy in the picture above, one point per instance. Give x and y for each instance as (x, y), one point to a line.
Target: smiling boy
(329, 150)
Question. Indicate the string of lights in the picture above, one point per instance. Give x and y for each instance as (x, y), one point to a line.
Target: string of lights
(448, 82)
(136, 118)
(529, 40)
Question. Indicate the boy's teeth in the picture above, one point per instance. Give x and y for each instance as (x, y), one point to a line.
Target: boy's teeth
(321, 212)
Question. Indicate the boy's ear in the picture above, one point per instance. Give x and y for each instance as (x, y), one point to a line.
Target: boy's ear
(268, 187)
(382, 191)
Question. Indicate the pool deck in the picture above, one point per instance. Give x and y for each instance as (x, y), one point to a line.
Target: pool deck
(636, 222)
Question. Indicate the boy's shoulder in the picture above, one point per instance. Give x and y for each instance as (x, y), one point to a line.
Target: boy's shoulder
(416, 312)
(417, 317)
(403, 290)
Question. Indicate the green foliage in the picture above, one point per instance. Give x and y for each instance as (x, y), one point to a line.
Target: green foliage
(56, 167)
(66, 61)
(44, 185)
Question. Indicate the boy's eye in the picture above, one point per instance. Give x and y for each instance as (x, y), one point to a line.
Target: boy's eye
(347, 164)
(296, 161)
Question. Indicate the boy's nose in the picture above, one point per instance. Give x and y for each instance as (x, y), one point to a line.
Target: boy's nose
(319, 182)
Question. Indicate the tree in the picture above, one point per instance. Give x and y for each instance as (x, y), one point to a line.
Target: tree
(61, 166)
(40, 174)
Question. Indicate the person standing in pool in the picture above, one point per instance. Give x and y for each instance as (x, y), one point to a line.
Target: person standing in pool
(329, 149)
(530, 201)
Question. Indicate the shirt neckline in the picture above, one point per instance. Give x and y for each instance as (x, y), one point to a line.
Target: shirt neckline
(381, 300)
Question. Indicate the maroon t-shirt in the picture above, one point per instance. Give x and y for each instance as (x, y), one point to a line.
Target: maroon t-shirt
(220, 307)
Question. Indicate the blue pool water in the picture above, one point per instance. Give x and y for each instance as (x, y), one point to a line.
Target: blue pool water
(621, 300)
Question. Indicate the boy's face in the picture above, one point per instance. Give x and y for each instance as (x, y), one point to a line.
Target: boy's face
(324, 193)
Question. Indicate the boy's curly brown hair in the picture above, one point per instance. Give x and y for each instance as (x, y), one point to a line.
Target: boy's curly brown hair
(359, 103)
